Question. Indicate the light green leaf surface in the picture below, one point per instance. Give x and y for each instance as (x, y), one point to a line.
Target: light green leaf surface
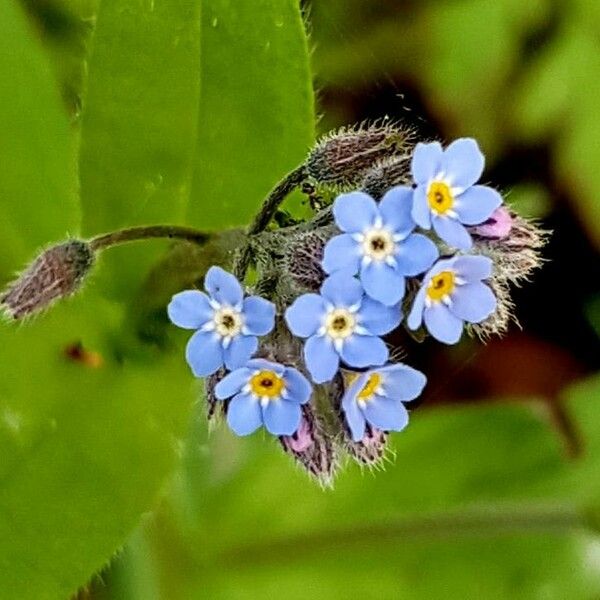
(35, 173)
(84, 450)
(480, 502)
(256, 119)
(138, 130)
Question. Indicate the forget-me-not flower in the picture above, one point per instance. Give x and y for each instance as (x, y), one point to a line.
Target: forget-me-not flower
(341, 322)
(453, 292)
(377, 396)
(227, 323)
(378, 243)
(264, 393)
(446, 195)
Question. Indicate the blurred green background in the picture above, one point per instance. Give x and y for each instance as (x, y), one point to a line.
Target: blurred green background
(123, 112)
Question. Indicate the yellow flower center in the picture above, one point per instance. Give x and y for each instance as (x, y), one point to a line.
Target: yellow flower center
(378, 244)
(267, 384)
(440, 197)
(370, 387)
(228, 322)
(340, 323)
(441, 285)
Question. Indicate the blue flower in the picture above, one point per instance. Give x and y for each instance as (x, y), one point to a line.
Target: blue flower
(452, 292)
(377, 396)
(264, 393)
(377, 243)
(227, 323)
(341, 322)
(446, 196)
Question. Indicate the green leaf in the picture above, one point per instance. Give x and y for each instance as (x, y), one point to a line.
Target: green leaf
(256, 118)
(479, 502)
(138, 131)
(84, 447)
(35, 148)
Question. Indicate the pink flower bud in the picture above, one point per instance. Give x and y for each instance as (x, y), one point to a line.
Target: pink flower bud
(498, 226)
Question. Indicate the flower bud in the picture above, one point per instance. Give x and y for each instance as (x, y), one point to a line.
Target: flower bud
(312, 448)
(497, 227)
(56, 273)
(387, 174)
(303, 260)
(342, 157)
(214, 408)
(370, 451)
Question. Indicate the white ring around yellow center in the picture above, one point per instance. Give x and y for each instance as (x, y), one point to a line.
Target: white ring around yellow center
(228, 321)
(378, 244)
(340, 323)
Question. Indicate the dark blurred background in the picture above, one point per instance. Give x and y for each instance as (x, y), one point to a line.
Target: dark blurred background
(522, 79)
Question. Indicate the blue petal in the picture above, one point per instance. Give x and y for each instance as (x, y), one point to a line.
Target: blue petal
(244, 415)
(426, 162)
(341, 252)
(341, 289)
(382, 283)
(304, 316)
(477, 204)
(401, 382)
(442, 324)
(463, 162)
(473, 268)
(321, 359)
(388, 415)
(281, 417)
(239, 351)
(473, 302)
(396, 207)
(298, 387)
(223, 287)
(260, 364)
(415, 317)
(354, 212)
(415, 255)
(452, 232)
(354, 417)
(232, 383)
(364, 351)
(204, 353)
(378, 319)
(190, 309)
(421, 213)
(259, 315)
(444, 264)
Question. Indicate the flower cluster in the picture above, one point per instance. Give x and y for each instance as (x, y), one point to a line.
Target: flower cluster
(410, 253)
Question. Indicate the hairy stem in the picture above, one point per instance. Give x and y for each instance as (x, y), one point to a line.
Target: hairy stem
(134, 234)
(272, 202)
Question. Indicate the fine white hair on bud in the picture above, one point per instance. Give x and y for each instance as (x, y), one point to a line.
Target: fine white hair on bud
(341, 158)
(56, 273)
(386, 174)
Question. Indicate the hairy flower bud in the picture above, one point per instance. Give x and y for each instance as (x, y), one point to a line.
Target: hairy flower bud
(371, 450)
(312, 448)
(214, 408)
(497, 227)
(56, 273)
(341, 158)
(385, 175)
